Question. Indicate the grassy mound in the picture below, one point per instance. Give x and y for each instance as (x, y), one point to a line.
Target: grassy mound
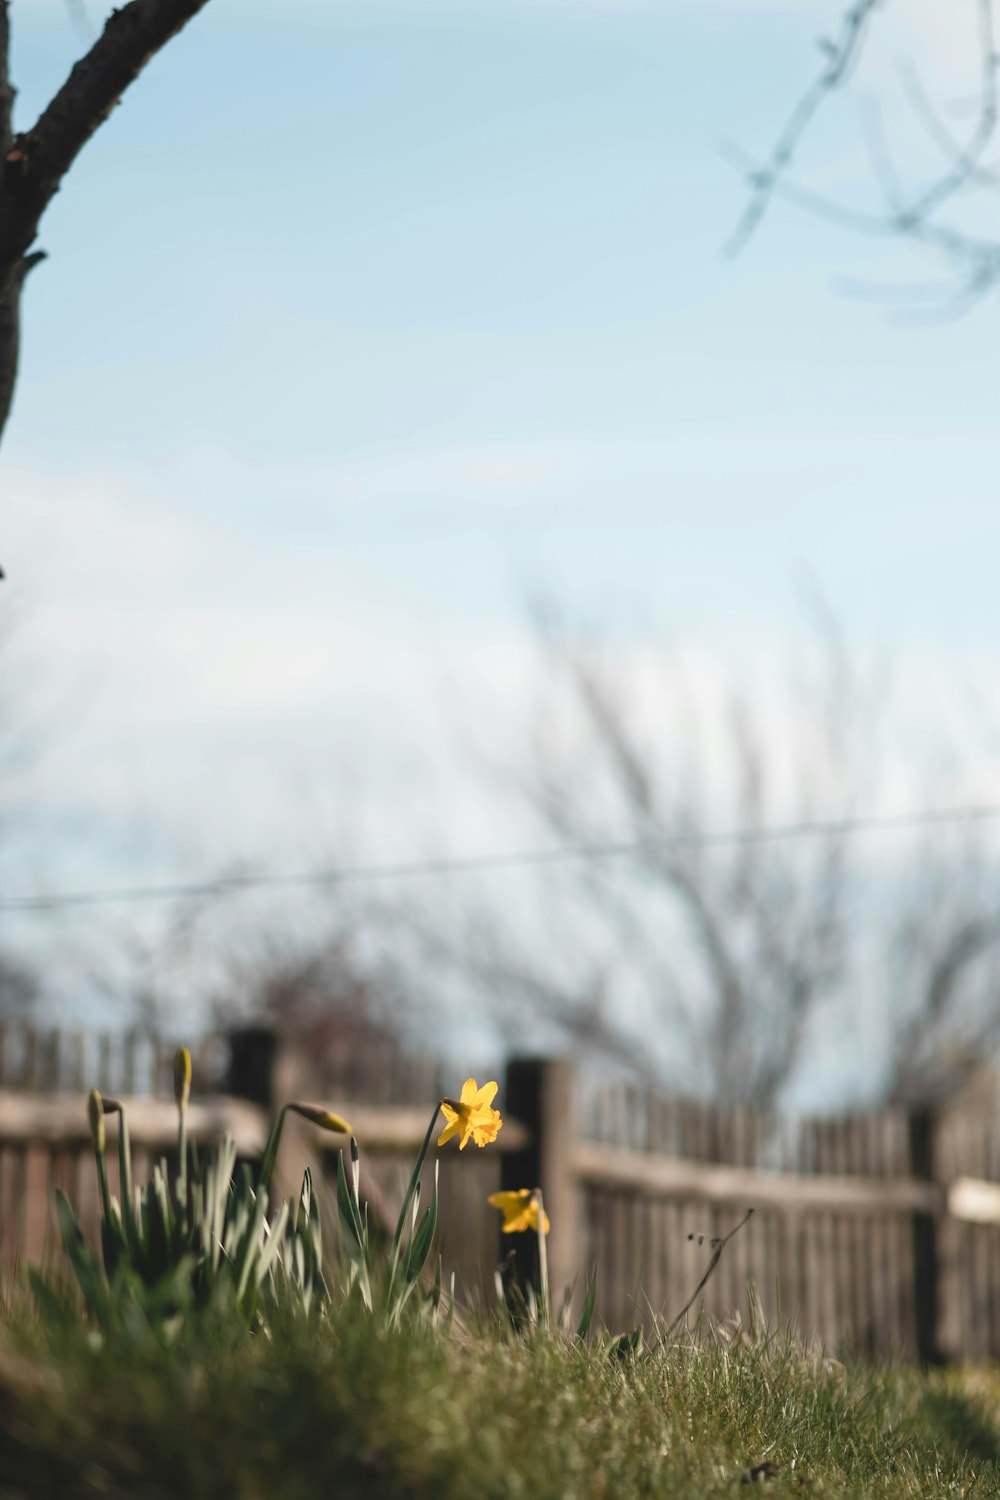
(341, 1407)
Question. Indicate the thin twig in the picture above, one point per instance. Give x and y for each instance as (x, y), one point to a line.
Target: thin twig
(840, 56)
(914, 216)
(716, 1257)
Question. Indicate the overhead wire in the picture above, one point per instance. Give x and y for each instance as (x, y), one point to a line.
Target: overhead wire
(461, 864)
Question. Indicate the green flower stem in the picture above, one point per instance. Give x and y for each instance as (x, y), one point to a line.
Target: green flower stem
(95, 1116)
(115, 1107)
(324, 1118)
(182, 1092)
(411, 1189)
(182, 1171)
(125, 1165)
(100, 1155)
(543, 1263)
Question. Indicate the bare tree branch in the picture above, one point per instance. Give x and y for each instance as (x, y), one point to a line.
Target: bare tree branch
(977, 259)
(942, 1039)
(840, 57)
(36, 160)
(969, 158)
(916, 215)
(33, 163)
(941, 136)
(10, 332)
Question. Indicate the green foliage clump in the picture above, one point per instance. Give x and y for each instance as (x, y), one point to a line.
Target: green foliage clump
(202, 1235)
(187, 1239)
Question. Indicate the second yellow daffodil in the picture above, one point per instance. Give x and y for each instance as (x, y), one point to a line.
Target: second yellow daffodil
(520, 1211)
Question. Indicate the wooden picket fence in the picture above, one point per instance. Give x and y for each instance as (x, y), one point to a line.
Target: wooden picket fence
(875, 1232)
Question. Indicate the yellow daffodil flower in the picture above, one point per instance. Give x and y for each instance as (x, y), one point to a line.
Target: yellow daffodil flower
(520, 1211)
(471, 1115)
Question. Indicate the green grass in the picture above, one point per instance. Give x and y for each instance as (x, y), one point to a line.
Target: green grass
(339, 1408)
(224, 1361)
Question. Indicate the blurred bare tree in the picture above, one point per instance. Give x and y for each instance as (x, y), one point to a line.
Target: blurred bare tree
(19, 988)
(706, 962)
(946, 203)
(314, 975)
(943, 972)
(677, 958)
(321, 985)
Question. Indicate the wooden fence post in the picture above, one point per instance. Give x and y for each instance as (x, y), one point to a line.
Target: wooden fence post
(540, 1094)
(252, 1054)
(934, 1288)
(269, 1066)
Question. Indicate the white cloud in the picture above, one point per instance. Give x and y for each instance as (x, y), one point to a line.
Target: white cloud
(219, 657)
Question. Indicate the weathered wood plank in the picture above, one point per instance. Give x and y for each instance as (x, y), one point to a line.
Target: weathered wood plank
(706, 1182)
(40, 1119)
(974, 1201)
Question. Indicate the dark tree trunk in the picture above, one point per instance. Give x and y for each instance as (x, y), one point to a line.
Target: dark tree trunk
(33, 163)
(10, 333)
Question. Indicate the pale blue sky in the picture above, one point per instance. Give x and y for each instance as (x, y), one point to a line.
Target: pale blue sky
(360, 319)
(320, 241)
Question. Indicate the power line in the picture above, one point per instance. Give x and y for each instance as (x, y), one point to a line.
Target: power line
(512, 859)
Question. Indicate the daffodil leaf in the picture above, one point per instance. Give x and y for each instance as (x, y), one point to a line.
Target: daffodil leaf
(347, 1209)
(589, 1304)
(420, 1245)
(251, 1245)
(356, 1171)
(272, 1245)
(81, 1257)
(418, 1248)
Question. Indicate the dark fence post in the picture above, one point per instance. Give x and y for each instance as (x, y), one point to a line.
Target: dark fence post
(253, 1052)
(930, 1284)
(540, 1094)
(249, 1074)
(270, 1066)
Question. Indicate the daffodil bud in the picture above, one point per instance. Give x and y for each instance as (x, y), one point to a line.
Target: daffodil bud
(324, 1118)
(95, 1114)
(182, 1078)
